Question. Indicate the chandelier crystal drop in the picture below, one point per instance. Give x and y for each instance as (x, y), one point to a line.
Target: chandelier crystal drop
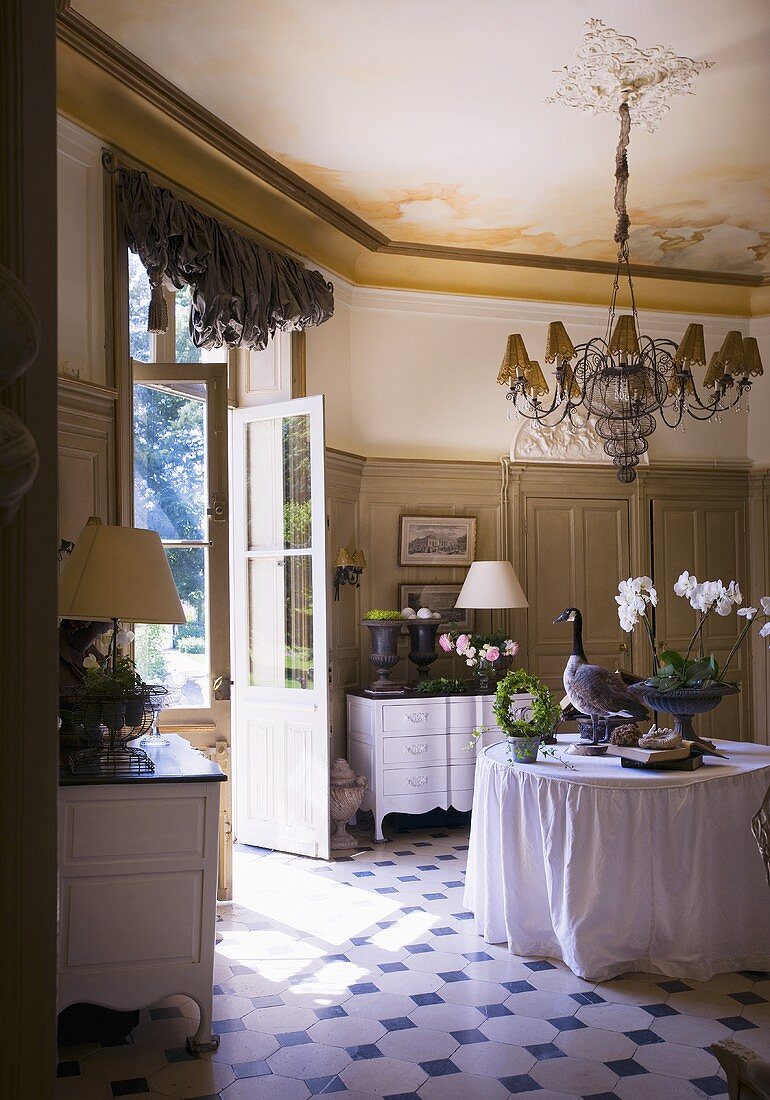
(624, 381)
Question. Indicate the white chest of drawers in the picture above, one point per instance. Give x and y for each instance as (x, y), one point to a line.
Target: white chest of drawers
(417, 752)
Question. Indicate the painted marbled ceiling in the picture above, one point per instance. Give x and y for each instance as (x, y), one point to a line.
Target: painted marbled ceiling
(427, 118)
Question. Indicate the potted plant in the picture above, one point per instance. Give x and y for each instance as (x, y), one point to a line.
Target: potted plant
(488, 654)
(527, 728)
(111, 697)
(690, 683)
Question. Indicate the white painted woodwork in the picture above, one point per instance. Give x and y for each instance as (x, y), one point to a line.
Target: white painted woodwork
(86, 455)
(281, 734)
(81, 255)
(418, 754)
(264, 377)
(138, 879)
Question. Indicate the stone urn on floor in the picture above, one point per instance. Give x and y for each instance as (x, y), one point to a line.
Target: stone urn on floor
(345, 793)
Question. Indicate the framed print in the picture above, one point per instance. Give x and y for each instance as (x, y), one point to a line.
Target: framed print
(438, 597)
(437, 540)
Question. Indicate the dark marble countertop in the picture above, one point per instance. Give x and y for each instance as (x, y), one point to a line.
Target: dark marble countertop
(177, 762)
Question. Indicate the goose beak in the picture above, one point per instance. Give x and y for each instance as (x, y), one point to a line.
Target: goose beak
(562, 618)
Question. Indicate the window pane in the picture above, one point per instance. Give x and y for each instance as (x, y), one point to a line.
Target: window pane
(139, 339)
(178, 656)
(278, 483)
(281, 622)
(186, 351)
(170, 459)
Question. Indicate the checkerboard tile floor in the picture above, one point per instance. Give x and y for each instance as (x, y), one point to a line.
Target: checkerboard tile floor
(363, 977)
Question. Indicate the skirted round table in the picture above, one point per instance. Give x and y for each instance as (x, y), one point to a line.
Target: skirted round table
(615, 869)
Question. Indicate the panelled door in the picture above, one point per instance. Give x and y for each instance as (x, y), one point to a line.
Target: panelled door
(576, 553)
(281, 728)
(708, 540)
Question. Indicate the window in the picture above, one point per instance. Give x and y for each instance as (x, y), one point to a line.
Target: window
(179, 466)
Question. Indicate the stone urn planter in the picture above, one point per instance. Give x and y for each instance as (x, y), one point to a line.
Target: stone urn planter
(345, 793)
(422, 643)
(683, 703)
(384, 635)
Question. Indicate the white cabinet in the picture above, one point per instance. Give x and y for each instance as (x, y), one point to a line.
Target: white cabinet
(418, 752)
(137, 886)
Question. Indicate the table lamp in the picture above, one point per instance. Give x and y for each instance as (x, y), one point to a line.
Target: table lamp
(119, 573)
(491, 584)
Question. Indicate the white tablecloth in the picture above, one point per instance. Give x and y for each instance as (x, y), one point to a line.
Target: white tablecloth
(613, 869)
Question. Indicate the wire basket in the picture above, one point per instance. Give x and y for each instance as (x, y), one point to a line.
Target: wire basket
(105, 726)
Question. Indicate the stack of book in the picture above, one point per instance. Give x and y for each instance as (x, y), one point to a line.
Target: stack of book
(686, 757)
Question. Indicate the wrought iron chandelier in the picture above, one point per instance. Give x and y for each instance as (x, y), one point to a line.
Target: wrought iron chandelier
(624, 380)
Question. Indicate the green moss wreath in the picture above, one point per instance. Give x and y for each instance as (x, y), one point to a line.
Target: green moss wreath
(545, 709)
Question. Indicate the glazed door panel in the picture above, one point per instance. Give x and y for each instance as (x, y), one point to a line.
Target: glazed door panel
(709, 541)
(576, 552)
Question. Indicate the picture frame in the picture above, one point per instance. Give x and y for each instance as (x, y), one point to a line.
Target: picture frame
(438, 596)
(436, 540)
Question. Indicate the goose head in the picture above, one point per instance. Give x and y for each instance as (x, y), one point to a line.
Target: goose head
(568, 615)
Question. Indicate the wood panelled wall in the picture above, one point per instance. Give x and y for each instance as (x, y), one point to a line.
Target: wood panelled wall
(571, 532)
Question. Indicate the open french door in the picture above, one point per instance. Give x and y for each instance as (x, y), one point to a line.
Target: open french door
(281, 728)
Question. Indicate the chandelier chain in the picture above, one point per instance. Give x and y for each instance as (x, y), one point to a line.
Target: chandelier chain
(621, 176)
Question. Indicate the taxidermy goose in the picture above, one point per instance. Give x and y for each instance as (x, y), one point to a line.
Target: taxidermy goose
(591, 689)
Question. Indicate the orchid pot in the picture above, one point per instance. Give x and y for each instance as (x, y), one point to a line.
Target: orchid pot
(683, 703)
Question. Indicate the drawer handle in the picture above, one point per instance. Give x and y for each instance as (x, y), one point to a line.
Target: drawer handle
(417, 780)
(416, 750)
(416, 716)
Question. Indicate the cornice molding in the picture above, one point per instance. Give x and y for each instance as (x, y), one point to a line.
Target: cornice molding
(102, 50)
(557, 263)
(82, 35)
(655, 322)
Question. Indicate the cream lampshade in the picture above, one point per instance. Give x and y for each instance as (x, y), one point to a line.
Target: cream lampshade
(119, 573)
(491, 584)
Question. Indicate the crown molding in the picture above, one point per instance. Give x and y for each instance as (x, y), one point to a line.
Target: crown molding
(99, 48)
(515, 311)
(558, 263)
(82, 35)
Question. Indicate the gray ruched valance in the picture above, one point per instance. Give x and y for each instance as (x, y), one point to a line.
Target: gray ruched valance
(241, 291)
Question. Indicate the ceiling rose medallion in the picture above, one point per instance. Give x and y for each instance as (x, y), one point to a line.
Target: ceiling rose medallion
(624, 380)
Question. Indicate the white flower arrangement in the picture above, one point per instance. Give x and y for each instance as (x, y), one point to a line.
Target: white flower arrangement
(672, 669)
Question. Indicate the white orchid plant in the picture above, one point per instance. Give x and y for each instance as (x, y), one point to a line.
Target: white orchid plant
(671, 669)
(107, 670)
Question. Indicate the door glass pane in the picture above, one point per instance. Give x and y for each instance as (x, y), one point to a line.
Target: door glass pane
(178, 656)
(170, 459)
(139, 339)
(278, 483)
(280, 621)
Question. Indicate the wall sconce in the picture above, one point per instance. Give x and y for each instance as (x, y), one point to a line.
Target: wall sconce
(347, 569)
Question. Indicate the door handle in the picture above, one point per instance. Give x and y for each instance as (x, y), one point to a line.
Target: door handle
(623, 647)
(222, 688)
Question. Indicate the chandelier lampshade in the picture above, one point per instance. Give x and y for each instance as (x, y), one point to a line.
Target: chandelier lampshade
(752, 363)
(627, 382)
(692, 348)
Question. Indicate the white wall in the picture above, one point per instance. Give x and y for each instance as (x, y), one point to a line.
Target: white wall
(409, 374)
(328, 372)
(759, 403)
